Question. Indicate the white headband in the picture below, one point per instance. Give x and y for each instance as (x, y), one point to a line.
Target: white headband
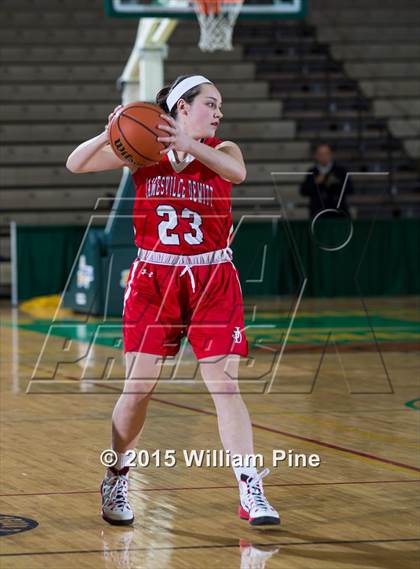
(183, 87)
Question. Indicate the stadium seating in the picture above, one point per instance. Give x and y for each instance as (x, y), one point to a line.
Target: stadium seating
(378, 44)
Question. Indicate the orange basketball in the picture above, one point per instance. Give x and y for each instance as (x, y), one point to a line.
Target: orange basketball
(133, 133)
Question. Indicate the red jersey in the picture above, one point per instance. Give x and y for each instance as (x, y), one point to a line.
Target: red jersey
(184, 209)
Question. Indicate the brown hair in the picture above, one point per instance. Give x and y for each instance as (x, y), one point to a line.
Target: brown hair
(188, 96)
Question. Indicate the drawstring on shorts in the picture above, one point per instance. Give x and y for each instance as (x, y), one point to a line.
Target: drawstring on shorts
(187, 269)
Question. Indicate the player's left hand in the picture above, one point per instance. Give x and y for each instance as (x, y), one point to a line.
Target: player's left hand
(176, 139)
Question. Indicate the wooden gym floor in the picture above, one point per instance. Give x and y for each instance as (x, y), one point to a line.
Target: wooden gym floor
(357, 409)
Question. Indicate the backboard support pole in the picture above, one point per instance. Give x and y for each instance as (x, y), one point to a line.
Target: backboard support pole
(143, 75)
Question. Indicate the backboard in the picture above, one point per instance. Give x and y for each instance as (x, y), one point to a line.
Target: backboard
(251, 9)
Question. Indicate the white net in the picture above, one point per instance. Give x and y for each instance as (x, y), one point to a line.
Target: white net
(216, 24)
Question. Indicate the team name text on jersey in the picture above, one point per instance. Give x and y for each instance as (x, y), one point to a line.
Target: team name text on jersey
(173, 186)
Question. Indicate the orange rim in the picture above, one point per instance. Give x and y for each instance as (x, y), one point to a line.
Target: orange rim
(208, 7)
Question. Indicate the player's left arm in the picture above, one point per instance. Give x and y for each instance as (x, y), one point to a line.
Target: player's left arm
(233, 150)
(226, 159)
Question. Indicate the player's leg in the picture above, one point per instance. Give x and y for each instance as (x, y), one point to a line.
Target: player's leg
(217, 327)
(129, 413)
(220, 375)
(142, 374)
(151, 325)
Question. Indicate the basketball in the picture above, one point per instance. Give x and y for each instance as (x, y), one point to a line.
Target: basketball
(133, 133)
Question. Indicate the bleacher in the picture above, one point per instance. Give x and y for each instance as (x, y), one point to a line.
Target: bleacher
(59, 82)
(58, 85)
(382, 54)
(319, 93)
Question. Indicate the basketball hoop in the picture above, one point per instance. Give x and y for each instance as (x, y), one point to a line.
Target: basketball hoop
(216, 19)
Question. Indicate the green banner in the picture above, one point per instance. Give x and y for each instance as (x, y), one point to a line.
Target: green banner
(45, 256)
(273, 257)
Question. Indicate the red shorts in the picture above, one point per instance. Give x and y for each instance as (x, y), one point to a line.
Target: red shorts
(165, 302)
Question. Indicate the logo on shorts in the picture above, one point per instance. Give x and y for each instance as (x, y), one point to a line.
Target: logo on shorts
(146, 272)
(237, 335)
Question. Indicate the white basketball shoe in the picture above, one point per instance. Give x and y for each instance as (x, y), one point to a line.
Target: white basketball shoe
(254, 506)
(114, 491)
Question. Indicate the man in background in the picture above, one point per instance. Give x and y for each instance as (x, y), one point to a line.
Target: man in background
(325, 181)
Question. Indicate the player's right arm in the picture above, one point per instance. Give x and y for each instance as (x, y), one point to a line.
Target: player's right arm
(96, 155)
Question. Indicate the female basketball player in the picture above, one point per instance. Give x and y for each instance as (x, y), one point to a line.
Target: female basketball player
(182, 282)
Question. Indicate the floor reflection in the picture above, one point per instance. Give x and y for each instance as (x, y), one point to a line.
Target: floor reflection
(121, 552)
(255, 556)
(116, 545)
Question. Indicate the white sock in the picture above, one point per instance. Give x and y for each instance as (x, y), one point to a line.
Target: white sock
(122, 460)
(239, 470)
